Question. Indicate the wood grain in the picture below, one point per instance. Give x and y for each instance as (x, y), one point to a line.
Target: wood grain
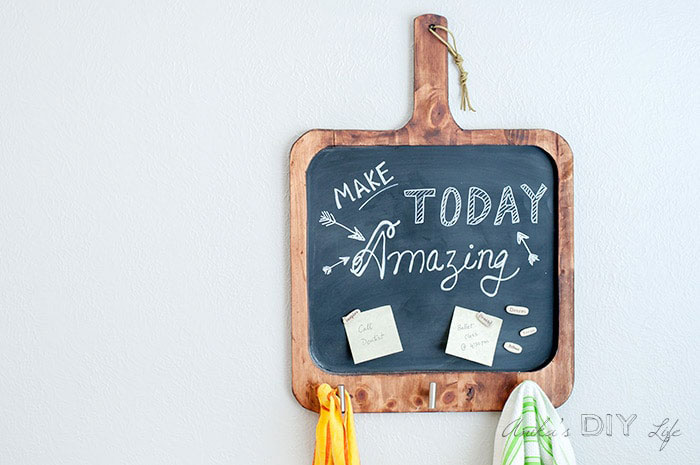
(431, 124)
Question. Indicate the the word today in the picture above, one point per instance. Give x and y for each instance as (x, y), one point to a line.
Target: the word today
(478, 204)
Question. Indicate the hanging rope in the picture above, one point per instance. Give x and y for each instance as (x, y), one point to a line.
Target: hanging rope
(452, 48)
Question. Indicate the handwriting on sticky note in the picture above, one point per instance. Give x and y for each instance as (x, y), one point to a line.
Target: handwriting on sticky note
(372, 334)
(473, 335)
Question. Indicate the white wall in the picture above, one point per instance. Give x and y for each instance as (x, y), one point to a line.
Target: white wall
(144, 272)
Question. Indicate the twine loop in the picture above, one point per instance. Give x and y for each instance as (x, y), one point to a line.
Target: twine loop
(459, 61)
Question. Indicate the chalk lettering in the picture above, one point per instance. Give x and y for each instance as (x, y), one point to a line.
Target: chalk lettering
(371, 182)
(382, 172)
(419, 195)
(534, 199)
(507, 205)
(443, 206)
(362, 259)
(372, 186)
(376, 252)
(477, 193)
(360, 188)
(345, 193)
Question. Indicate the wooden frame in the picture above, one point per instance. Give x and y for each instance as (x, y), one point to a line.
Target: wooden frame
(431, 124)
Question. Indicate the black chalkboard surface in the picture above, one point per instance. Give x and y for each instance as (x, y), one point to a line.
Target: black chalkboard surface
(426, 228)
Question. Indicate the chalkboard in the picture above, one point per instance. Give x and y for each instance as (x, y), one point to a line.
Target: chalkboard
(426, 228)
(353, 190)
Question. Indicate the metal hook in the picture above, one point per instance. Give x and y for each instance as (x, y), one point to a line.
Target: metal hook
(433, 395)
(341, 394)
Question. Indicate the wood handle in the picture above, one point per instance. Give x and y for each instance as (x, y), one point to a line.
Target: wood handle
(431, 109)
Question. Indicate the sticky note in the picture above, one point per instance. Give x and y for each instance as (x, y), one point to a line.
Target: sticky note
(372, 333)
(473, 335)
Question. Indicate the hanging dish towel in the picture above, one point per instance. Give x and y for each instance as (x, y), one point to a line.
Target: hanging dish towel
(335, 436)
(530, 431)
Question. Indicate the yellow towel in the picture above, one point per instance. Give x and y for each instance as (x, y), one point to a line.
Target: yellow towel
(335, 437)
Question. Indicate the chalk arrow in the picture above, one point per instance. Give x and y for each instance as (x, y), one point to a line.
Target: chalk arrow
(327, 219)
(520, 237)
(329, 269)
(357, 235)
(531, 257)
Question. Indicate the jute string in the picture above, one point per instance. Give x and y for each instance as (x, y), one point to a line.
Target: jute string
(459, 61)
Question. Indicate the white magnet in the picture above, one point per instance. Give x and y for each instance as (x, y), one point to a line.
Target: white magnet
(528, 331)
(517, 310)
(512, 347)
(484, 319)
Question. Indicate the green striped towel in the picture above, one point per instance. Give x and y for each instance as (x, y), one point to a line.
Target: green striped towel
(530, 431)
